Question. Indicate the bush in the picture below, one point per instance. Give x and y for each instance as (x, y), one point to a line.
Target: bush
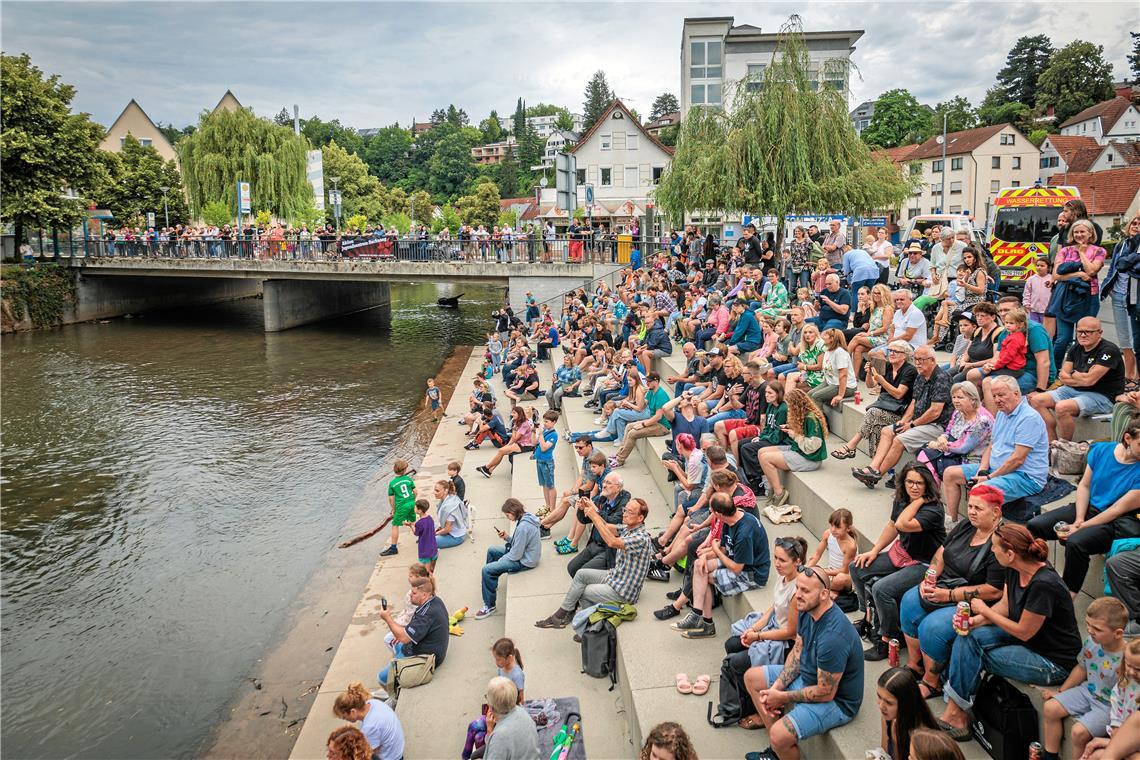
(217, 214)
(40, 294)
(399, 220)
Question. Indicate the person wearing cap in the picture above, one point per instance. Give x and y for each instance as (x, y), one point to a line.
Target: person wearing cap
(531, 309)
(913, 272)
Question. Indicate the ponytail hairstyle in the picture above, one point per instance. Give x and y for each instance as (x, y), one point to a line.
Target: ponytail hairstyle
(1131, 649)
(842, 520)
(448, 486)
(355, 697)
(1017, 539)
(794, 546)
(506, 648)
(684, 440)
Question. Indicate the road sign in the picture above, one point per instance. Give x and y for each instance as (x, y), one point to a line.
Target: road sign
(245, 199)
(150, 219)
(589, 195)
(873, 221)
(566, 181)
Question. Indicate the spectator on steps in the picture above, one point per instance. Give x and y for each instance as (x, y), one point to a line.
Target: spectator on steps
(1011, 639)
(348, 743)
(659, 422)
(1107, 506)
(1091, 376)
(900, 555)
(521, 552)
(1123, 571)
(836, 304)
(378, 722)
(966, 437)
(806, 432)
(667, 741)
(1040, 370)
(511, 733)
(820, 686)
(896, 387)
(923, 420)
(610, 503)
(907, 323)
(426, 634)
(567, 381)
(623, 583)
(588, 483)
(521, 441)
(903, 710)
(1122, 285)
(1017, 459)
(1076, 284)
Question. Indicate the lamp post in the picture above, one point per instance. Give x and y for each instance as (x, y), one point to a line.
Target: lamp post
(336, 203)
(165, 205)
(942, 199)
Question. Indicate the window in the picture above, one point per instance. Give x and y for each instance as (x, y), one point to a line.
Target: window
(955, 188)
(146, 142)
(705, 59)
(955, 209)
(631, 176)
(697, 94)
(1015, 183)
(912, 213)
(936, 166)
(631, 140)
(1006, 139)
(1017, 162)
(936, 188)
(755, 77)
(955, 164)
(705, 94)
(581, 176)
(995, 186)
(607, 141)
(657, 172)
(606, 177)
(864, 123)
(995, 162)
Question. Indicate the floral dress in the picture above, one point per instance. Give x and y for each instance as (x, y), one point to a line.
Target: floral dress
(968, 439)
(801, 252)
(775, 302)
(810, 355)
(876, 323)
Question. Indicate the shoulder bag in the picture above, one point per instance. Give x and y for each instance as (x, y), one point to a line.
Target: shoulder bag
(410, 672)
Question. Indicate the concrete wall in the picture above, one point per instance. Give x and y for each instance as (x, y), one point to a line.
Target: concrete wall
(551, 287)
(291, 303)
(106, 297)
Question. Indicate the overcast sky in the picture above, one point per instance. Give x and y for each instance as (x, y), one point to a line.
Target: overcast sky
(372, 63)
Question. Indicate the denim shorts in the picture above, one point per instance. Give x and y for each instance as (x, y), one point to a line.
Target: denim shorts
(1120, 314)
(808, 718)
(1089, 712)
(1088, 402)
(1015, 485)
(545, 472)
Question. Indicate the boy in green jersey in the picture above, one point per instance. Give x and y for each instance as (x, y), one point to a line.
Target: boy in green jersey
(402, 498)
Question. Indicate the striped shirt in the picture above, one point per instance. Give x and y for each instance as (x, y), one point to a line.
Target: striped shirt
(632, 563)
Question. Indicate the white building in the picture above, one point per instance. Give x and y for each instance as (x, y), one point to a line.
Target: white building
(1115, 119)
(559, 141)
(543, 126)
(861, 116)
(622, 161)
(717, 55)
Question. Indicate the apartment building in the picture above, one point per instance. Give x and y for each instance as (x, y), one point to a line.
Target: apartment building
(493, 153)
(861, 116)
(717, 55)
(559, 141)
(543, 126)
(1110, 120)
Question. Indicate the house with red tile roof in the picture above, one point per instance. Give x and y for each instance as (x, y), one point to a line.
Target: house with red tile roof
(1112, 196)
(1115, 119)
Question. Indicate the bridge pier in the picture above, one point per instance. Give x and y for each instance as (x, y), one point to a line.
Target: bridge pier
(291, 303)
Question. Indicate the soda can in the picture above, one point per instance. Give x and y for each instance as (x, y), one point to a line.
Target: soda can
(1036, 751)
(931, 576)
(1060, 528)
(962, 619)
(858, 397)
(893, 653)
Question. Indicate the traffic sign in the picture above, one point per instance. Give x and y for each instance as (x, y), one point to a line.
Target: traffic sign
(245, 199)
(150, 219)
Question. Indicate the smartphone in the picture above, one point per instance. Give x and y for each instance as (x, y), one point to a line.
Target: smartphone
(383, 602)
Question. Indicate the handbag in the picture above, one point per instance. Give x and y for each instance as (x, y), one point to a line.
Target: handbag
(789, 513)
(410, 672)
(889, 403)
(1068, 457)
(899, 556)
(1004, 721)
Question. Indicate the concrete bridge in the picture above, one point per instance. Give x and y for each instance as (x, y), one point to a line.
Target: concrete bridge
(298, 292)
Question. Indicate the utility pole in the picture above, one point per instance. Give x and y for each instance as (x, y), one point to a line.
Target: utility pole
(336, 203)
(165, 206)
(942, 200)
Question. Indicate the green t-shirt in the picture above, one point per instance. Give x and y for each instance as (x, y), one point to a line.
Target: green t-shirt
(812, 429)
(774, 417)
(655, 400)
(403, 488)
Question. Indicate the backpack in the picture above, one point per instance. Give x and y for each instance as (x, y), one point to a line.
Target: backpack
(599, 651)
(1004, 721)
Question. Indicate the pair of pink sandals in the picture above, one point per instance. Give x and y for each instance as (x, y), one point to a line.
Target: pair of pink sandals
(698, 688)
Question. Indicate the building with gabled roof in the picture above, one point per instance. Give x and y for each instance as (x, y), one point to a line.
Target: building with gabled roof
(135, 122)
(228, 102)
(1115, 119)
(1112, 196)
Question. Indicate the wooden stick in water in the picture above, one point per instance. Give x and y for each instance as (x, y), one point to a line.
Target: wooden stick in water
(369, 534)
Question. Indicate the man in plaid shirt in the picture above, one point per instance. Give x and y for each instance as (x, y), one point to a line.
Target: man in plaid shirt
(623, 583)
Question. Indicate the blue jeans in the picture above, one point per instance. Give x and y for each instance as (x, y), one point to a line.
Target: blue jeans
(495, 567)
(732, 414)
(746, 346)
(622, 417)
(383, 676)
(702, 336)
(800, 279)
(990, 649)
(934, 630)
(448, 542)
(868, 284)
(1127, 324)
(783, 369)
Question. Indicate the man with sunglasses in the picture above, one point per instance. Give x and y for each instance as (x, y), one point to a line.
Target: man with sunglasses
(820, 685)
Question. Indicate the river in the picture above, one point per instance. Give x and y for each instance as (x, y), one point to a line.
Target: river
(170, 484)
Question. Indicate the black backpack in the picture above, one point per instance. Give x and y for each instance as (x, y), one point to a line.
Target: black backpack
(1004, 721)
(599, 651)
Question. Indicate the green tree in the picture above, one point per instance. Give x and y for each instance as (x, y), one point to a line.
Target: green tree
(959, 115)
(229, 146)
(491, 129)
(457, 117)
(784, 148)
(218, 214)
(668, 135)
(172, 133)
(508, 217)
(543, 109)
(321, 133)
(898, 120)
(482, 206)
(664, 103)
(1024, 65)
(996, 108)
(1076, 78)
(137, 175)
(448, 217)
(564, 120)
(354, 181)
(283, 118)
(507, 174)
(420, 206)
(596, 99)
(387, 153)
(1134, 57)
(45, 149)
(450, 166)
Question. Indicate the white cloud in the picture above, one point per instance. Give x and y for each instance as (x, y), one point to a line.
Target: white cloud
(370, 64)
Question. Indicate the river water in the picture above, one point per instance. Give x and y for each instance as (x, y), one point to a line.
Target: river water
(170, 483)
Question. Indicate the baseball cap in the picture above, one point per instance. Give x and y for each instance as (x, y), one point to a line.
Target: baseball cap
(969, 315)
(714, 352)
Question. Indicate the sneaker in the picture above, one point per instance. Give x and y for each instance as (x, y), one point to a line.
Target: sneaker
(543, 533)
(658, 574)
(706, 630)
(673, 596)
(484, 612)
(566, 548)
(779, 500)
(890, 482)
(390, 551)
(667, 612)
(613, 463)
(471, 446)
(482, 470)
(562, 541)
(767, 754)
(877, 652)
(599, 420)
(691, 622)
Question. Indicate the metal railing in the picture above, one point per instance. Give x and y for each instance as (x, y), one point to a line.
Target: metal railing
(559, 249)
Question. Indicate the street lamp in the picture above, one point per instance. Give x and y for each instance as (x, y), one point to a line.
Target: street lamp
(165, 206)
(336, 202)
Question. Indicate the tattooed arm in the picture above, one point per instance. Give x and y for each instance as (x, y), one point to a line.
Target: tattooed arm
(791, 666)
(823, 691)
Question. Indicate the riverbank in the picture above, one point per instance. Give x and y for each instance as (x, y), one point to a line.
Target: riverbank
(271, 704)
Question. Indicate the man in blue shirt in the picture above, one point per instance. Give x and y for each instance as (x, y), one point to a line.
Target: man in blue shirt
(1017, 459)
(834, 305)
(820, 686)
(860, 270)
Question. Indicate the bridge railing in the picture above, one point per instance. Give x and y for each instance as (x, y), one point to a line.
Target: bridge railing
(559, 249)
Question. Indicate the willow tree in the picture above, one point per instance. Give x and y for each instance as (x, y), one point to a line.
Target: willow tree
(785, 146)
(232, 146)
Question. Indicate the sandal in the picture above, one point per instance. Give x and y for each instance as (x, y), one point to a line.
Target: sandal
(932, 692)
(843, 453)
(682, 683)
(750, 723)
(701, 685)
(566, 549)
(954, 732)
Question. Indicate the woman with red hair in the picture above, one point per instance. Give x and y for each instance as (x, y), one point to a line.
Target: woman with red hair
(964, 567)
(1010, 639)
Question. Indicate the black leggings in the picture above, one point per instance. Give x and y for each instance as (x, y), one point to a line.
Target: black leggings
(1078, 549)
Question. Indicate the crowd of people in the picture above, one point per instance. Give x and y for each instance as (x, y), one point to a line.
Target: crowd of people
(959, 572)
